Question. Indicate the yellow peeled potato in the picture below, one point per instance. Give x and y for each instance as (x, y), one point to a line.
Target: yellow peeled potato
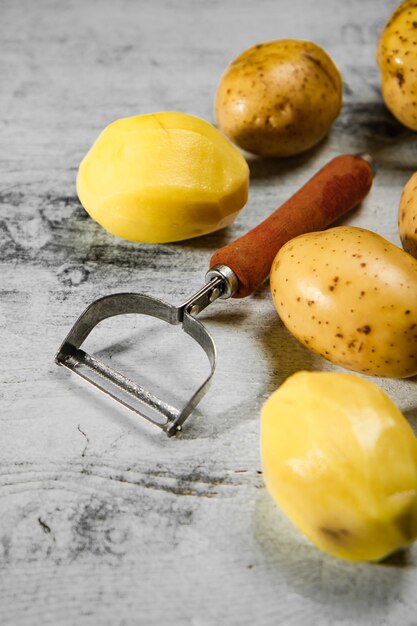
(407, 216)
(340, 460)
(162, 177)
(279, 98)
(397, 60)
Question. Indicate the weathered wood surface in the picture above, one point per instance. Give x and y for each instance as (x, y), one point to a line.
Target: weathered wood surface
(102, 519)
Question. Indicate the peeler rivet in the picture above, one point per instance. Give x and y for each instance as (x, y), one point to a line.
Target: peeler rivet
(214, 294)
(195, 309)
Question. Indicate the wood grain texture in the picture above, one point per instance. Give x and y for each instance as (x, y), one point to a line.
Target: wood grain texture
(102, 519)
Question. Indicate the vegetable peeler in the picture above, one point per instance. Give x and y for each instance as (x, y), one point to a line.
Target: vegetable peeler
(235, 270)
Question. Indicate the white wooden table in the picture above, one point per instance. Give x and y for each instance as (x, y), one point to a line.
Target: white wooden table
(103, 520)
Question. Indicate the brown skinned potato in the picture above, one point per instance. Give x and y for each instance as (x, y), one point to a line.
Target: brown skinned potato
(279, 98)
(397, 60)
(407, 216)
(351, 296)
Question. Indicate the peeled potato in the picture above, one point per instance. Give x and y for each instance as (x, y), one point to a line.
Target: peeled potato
(279, 98)
(162, 177)
(340, 460)
(407, 217)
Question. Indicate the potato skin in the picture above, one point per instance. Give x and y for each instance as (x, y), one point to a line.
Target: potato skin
(407, 216)
(279, 98)
(397, 60)
(350, 296)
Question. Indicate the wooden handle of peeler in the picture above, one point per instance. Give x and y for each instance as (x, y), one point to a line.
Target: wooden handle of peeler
(335, 189)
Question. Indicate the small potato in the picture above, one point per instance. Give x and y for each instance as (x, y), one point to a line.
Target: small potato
(397, 60)
(279, 98)
(407, 216)
(350, 296)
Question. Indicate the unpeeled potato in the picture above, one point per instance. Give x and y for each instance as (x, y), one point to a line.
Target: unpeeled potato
(279, 98)
(351, 296)
(407, 216)
(397, 60)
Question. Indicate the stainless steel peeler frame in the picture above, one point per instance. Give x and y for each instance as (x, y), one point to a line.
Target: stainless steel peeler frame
(221, 283)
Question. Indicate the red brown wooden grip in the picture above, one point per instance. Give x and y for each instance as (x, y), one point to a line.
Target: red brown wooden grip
(335, 189)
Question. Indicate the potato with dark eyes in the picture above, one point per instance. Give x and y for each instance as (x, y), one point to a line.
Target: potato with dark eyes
(279, 98)
(350, 295)
(397, 61)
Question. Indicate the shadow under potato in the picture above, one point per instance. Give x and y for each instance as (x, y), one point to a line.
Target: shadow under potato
(284, 354)
(262, 168)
